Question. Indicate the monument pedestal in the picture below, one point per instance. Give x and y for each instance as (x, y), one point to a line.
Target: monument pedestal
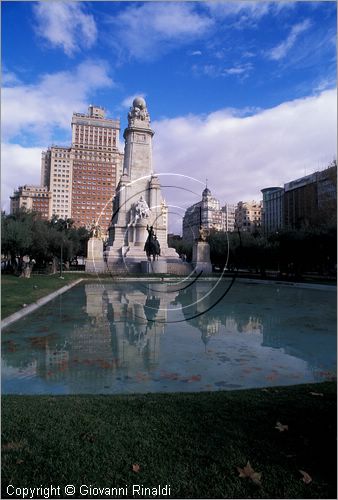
(95, 262)
(154, 267)
(201, 257)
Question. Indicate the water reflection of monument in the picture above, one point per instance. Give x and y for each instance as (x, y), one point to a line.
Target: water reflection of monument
(123, 329)
(118, 336)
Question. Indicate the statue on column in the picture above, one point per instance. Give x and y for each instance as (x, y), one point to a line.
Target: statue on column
(95, 230)
(138, 111)
(203, 234)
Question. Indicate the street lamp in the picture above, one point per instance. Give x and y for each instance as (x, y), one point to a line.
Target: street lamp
(64, 226)
(61, 257)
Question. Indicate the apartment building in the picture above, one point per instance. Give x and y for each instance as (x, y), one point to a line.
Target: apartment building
(228, 217)
(208, 214)
(248, 215)
(34, 198)
(59, 173)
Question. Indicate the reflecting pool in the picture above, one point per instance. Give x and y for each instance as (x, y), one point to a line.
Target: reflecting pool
(164, 337)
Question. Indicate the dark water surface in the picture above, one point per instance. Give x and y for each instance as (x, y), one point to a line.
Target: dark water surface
(159, 337)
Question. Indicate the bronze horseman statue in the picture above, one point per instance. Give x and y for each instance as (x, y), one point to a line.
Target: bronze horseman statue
(152, 245)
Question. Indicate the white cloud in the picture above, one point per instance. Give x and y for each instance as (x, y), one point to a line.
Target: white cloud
(244, 13)
(9, 78)
(150, 29)
(281, 50)
(214, 71)
(20, 166)
(224, 9)
(240, 70)
(242, 155)
(65, 25)
(324, 84)
(38, 108)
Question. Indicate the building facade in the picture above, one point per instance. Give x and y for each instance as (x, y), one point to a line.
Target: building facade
(248, 216)
(58, 172)
(207, 214)
(300, 202)
(273, 209)
(228, 217)
(327, 188)
(311, 200)
(97, 166)
(82, 178)
(34, 198)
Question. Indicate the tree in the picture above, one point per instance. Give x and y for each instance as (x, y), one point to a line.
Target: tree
(17, 236)
(25, 233)
(182, 247)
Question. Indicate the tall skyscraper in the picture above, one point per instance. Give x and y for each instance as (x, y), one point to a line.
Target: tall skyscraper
(82, 178)
(97, 166)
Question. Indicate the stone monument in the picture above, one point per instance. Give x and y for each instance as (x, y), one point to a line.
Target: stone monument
(201, 252)
(95, 262)
(138, 203)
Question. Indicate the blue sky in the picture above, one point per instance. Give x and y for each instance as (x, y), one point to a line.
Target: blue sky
(243, 93)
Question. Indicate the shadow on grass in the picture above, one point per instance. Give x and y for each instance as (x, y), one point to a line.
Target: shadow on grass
(194, 442)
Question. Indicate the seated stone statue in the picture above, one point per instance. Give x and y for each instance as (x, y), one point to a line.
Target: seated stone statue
(141, 209)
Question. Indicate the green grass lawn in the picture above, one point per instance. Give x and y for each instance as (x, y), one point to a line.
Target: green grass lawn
(16, 291)
(194, 442)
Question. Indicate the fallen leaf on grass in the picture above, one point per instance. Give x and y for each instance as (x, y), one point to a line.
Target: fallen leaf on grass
(316, 394)
(248, 471)
(306, 477)
(19, 461)
(86, 436)
(281, 427)
(136, 468)
(13, 446)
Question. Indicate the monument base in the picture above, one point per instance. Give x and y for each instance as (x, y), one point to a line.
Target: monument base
(95, 262)
(154, 267)
(201, 257)
(94, 266)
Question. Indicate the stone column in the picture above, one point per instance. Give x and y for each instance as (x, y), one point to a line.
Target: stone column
(201, 257)
(95, 262)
